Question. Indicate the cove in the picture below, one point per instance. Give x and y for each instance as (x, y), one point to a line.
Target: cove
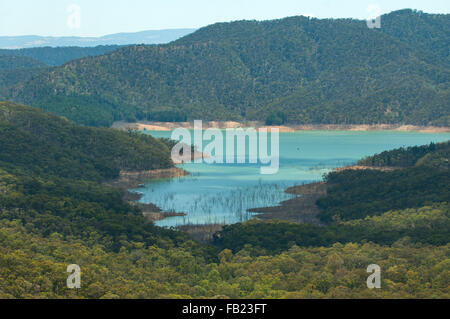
(222, 193)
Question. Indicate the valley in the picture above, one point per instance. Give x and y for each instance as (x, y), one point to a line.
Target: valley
(273, 159)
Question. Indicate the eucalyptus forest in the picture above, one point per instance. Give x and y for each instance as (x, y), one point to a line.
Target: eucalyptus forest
(67, 193)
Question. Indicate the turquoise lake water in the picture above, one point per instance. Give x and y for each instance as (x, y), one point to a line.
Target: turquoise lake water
(222, 193)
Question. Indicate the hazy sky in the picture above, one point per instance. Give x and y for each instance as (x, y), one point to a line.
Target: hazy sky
(100, 17)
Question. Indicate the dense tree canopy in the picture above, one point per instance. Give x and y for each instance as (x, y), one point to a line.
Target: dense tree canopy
(312, 71)
(51, 175)
(35, 267)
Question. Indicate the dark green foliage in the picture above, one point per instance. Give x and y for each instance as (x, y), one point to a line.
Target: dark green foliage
(76, 208)
(272, 237)
(427, 225)
(58, 56)
(166, 115)
(366, 205)
(411, 156)
(54, 212)
(10, 62)
(277, 118)
(46, 144)
(354, 194)
(15, 70)
(92, 111)
(418, 34)
(50, 175)
(10, 78)
(313, 71)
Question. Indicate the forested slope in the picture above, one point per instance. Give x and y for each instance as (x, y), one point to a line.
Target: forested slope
(54, 211)
(307, 70)
(423, 179)
(35, 267)
(433, 155)
(46, 144)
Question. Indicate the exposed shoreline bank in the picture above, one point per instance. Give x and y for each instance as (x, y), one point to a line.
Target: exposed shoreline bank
(168, 126)
(128, 180)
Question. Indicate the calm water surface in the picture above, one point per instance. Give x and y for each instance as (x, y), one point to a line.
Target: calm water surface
(222, 193)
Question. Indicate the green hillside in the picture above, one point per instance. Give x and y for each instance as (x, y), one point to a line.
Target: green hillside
(305, 70)
(433, 155)
(52, 176)
(55, 210)
(10, 78)
(15, 69)
(57, 56)
(383, 207)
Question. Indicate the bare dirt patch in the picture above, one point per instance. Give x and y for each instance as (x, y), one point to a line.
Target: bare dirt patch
(167, 126)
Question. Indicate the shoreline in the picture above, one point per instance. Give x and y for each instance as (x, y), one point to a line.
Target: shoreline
(168, 126)
(300, 209)
(133, 179)
(303, 208)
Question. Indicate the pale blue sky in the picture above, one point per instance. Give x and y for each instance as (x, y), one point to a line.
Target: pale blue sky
(100, 17)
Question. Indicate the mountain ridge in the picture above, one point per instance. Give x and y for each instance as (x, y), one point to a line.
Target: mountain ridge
(311, 71)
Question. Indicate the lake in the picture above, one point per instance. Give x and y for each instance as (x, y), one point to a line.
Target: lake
(222, 193)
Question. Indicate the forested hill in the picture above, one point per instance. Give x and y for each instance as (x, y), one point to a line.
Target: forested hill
(60, 55)
(52, 174)
(422, 178)
(304, 70)
(41, 143)
(123, 38)
(19, 66)
(408, 204)
(54, 211)
(10, 62)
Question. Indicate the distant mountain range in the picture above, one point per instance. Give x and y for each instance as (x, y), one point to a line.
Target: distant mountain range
(143, 37)
(293, 70)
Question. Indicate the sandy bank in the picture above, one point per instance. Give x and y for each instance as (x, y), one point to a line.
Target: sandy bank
(129, 179)
(168, 126)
